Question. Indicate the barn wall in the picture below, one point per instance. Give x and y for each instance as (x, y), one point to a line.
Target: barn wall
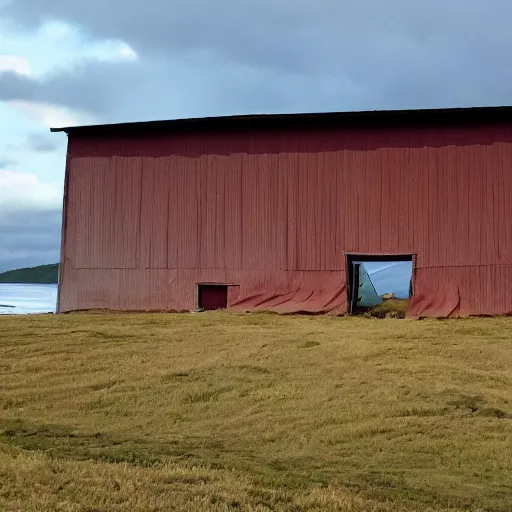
(273, 212)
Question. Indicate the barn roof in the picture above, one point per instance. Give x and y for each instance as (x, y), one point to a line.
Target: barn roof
(306, 120)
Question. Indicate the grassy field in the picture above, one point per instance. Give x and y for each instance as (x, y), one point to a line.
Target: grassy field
(254, 412)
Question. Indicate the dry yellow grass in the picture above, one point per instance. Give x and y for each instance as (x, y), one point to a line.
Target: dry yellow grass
(391, 308)
(217, 411)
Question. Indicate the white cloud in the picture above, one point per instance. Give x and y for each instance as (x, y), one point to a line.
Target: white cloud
(55, 29)
(110, 50)
(51, 115)
(20, 192)
(16, 64)
(126, 52)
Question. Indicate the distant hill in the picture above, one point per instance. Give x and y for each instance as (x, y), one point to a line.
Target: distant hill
(45, 274)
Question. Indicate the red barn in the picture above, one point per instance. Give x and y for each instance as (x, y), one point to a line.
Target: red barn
(267, 211)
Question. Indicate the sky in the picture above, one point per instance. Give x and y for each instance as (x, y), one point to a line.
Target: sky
(390, 277)
(79, 62)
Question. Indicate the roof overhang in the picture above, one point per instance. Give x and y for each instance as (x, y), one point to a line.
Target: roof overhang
(305, 120)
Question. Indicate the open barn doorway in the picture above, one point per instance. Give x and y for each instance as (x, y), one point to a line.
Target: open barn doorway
(212, 297)
(379, 283)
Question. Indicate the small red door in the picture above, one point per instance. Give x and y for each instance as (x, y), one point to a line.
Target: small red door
(213, 297)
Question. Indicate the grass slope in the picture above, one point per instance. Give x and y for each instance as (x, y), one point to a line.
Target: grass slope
(254, 412)
(44, 274)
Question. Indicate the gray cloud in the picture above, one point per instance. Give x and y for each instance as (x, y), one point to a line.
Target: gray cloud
(6, 162)
(205, 58)
(199, 57)
(299, 35)
(42, 143)
(29, 238)
(84, 86)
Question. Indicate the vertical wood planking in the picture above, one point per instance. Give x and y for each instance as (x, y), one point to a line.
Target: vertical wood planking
(160, 216)
(187, 213)
(233, 212)
(147, 212)
(169, 166)
(127, 173)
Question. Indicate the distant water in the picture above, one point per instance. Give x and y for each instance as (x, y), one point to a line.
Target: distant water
(27, 298)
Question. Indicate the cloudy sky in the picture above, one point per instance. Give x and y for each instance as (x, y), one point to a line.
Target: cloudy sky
(69, 62)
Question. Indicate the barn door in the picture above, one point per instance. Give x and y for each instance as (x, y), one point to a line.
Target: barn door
(212, 297)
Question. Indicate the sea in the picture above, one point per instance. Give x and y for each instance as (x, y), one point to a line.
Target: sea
(23, 299)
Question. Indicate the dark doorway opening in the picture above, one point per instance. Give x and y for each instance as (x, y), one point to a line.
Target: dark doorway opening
(379, 282)
(212, 297)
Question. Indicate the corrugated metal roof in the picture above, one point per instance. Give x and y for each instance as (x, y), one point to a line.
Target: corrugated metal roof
(307, 120)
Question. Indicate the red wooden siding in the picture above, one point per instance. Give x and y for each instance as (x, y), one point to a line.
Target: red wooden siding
(149, 217)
